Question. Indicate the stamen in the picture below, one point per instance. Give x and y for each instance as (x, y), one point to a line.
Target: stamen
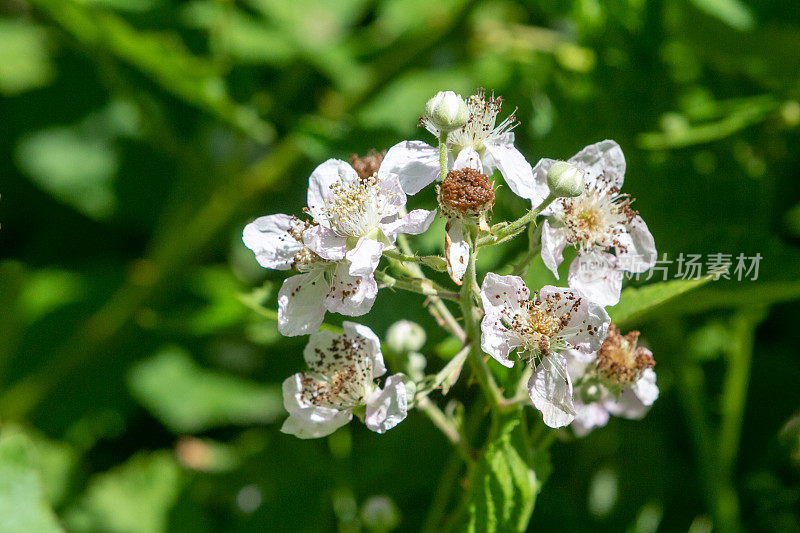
(619, 361)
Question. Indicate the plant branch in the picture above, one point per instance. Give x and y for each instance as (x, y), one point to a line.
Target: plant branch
(420, 286)
(503, 232)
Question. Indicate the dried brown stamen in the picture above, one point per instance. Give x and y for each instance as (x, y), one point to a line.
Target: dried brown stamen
(620, 361)
(368, 165)
(466, 192)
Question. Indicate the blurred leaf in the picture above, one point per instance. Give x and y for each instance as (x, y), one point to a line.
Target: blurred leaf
(23, 506)
(188, 398)
(24, 58)
(47, 290)
(504, 486)
(193, 79)
(135, 497)
(731, 12)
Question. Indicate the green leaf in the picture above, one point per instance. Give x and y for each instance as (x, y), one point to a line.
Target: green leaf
(636, 301)
(135, 497)
(188, 398)
(24, 58)
(504, 485)
(23, 503)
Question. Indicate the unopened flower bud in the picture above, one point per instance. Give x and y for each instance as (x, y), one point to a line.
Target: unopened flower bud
(447, 111)
(405, 336)
(380, 513)
(565, 180)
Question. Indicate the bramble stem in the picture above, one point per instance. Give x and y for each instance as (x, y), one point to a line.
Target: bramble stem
(418, 285)
(512, 229)
(447, 427)
(473, 331)
(435, 262)
(442, 156)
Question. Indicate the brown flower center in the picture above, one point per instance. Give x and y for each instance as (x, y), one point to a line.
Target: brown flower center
(466, 192)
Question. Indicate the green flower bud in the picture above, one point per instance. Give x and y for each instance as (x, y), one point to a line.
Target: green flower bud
(565, 180)
(447, 111)
(405, 336)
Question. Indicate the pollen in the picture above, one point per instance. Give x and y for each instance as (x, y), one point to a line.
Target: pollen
(597, 217)
(355, 207)
(540, 323)
(466, 192)
(620, 361)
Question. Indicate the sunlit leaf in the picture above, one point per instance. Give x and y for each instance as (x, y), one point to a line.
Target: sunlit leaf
(24, 57)
(23, 504)
(188, 398)
(135, 497)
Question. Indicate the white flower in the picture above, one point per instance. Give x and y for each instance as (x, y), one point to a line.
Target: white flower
(341, 381)
(595, 222)
(489, 145)
(277, 241)
(355, 217)
(616, 380)
(538, 329)
(358, 216)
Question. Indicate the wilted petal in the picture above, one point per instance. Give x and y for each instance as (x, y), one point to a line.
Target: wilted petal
(319, 186)
(414, 162)
(645, 387)
(550, 390)
(639, 254)
(268, 237)
(603, 158)
(588, 417)
(300, 309)
(596, 275)
(416, 222)
(351, 295)
(364, 258)
(553, 242)
(456, 249)
(387, 408)
(325, 243)
(372, 345)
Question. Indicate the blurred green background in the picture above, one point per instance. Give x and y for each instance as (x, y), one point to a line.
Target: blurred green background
(139, 388)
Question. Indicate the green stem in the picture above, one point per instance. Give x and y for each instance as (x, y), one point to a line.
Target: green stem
(472, 327)
(440, 377)
(442, 156)
(447, 427)
(420, 286)
(512, 229)
(432, 261)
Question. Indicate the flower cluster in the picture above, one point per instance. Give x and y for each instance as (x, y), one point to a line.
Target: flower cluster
(579, 368)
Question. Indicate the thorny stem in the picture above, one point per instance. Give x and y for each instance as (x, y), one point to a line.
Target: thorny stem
(432, 261)
(418, 285)
(468, 309)
(511, 229)
(440, 377)
(435, 306)
(446, 426)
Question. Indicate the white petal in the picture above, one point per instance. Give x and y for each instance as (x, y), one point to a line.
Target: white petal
(456, 249)
(305, 420)
(351, 295)
(468, 158)
(389, 407)
(393, 197)
(550, 390)
(414, 162)
(269, 238)
(517, 172)
(416, 222)
(577, 362)
(640, 247)
(300, 309)
(603, 158)
(597, 276)
(553, 242)
(501, 297)
(539, 172)
(588, 323)
(645, 387)
(325, 243)
(364, 258)
(372, 345)
(319, 186)
(588, 417)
